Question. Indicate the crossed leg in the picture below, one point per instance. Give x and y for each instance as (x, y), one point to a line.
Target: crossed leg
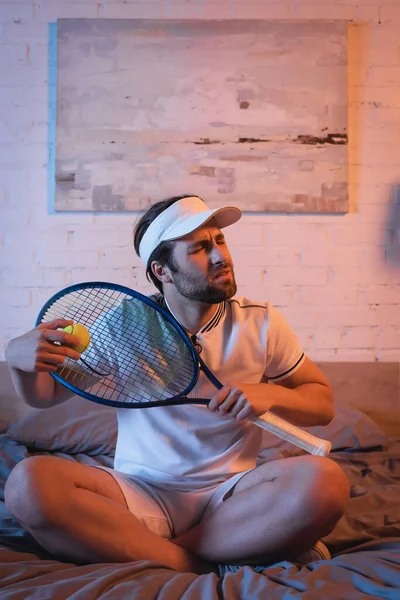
(275, 511)
(79, 513)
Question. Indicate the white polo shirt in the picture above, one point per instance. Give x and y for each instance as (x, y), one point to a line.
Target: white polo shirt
(189, 447)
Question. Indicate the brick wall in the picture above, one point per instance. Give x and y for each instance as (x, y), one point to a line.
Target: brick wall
(336, 278)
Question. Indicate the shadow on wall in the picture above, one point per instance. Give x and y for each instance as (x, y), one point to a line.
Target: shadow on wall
(393, 251)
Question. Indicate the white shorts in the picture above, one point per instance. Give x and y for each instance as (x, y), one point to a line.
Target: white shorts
(170, 513)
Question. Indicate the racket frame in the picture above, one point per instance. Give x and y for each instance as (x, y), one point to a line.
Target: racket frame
(173, 400)
(270, 422)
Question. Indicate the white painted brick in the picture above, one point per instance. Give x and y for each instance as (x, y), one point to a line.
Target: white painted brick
(12, 94)
(170, 10)
(350, 256)
(388, 315)
(13, 32)
(70, 259)
(298, 234)
(36, 94)
(26, 74)
(126, 276)
(18, 215)
(390, 338)
(374, 213)
(366, 276)
(22, 115)
(35, 155)
(13, 53)
(6, 336)
(309, 10)
(42, 221)
(318, 354)
(352, 234)
(264, 257)
(41, 295)
(57, 277)
(344, 355)
(365, 11)
(248, 274)
(389, 355)
(301, 276)
(281, 296)
(102, 238)
(360, 337)
(15, 12)
(339, 316)
(390, 12)
(302, 317)
(25, 316)
(245, 234)
(376, 258)
(16, 297)
(252, 290)
(329, 296)
(123, 257)
(49, 11)
(306, 338)
(328, 338)
(381, 294)
(25, 278)
(34, 240)
(261, 10)
(16, 260)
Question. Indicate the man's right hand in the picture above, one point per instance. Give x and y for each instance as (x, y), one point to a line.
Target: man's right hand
(36, 351)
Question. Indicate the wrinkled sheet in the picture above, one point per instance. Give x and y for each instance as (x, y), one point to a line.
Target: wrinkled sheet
(365, 545)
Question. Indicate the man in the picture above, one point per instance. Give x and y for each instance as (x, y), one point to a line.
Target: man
(185, 490)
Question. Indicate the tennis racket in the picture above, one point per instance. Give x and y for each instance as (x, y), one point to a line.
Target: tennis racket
(140, 356)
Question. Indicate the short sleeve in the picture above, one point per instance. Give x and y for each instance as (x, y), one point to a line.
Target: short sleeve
(284, 352)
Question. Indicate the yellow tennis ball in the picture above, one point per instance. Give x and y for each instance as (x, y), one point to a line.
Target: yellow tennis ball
(80, 332)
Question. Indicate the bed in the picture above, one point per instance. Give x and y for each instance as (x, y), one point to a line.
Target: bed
(365, 544)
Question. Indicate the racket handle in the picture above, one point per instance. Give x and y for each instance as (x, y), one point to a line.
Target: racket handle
(291, 433)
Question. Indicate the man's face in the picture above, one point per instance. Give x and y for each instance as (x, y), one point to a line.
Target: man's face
(203, 268)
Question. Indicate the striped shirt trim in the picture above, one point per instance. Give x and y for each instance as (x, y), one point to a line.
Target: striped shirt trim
(212, 323)
(248, 305)
(288, 371)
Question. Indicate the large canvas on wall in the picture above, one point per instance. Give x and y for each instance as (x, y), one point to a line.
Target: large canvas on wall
(250, 113)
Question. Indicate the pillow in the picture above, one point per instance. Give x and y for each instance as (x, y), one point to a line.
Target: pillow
(73, 427)
(350, 429)
(11, 407)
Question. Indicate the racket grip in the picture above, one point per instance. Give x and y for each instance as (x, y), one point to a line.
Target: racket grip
(296, 436)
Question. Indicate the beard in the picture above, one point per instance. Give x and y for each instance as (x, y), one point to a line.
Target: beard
(194, 287)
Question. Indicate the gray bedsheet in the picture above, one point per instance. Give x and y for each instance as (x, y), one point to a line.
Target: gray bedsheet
(365, 545)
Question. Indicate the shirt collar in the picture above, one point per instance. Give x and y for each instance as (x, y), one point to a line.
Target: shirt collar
(211, 323)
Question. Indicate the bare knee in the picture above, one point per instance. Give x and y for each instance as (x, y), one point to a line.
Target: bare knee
(31, 489)
(325, 492)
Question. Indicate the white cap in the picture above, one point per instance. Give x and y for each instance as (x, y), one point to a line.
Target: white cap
(181, 218)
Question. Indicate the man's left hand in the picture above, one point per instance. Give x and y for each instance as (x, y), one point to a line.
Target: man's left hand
(240, 400)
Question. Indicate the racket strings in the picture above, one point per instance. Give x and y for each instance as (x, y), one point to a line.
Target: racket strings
(135, 355)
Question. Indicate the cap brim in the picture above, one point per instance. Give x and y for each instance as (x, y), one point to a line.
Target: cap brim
(225, 216)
